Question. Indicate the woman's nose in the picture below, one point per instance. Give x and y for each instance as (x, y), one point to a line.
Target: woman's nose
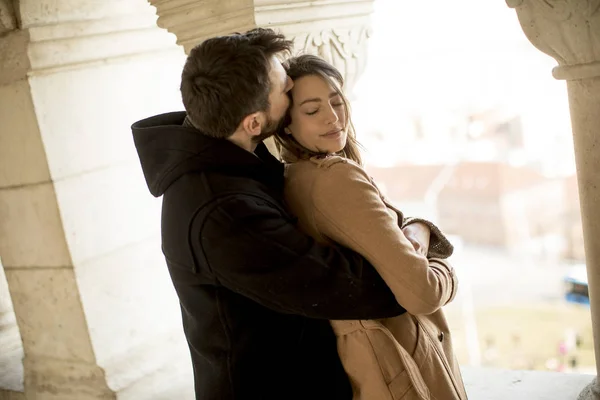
(331, 116)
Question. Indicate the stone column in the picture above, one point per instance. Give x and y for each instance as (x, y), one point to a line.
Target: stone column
(11, 356)
(79, 232)
(569, 31)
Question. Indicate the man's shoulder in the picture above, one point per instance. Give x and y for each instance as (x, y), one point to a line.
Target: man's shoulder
(210, 185)
(239, 197)
(208, 194)
(245, 204)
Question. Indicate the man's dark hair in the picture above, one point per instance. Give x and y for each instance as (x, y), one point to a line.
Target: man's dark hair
(226, 78)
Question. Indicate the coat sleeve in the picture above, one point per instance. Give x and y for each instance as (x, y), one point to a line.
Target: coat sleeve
(439, 245)
(349, 210)
(256, 251)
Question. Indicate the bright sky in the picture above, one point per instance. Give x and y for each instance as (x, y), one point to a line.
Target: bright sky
(436, 57)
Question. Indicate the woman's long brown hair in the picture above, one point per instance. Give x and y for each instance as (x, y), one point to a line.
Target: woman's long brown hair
(306, 65)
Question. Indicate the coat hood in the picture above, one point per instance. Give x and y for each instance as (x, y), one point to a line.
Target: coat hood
(169, 149)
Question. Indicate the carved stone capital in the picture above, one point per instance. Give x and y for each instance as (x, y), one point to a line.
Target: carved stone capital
(346, 49)
(194, 21)
(8, 19)
(52, 45)
(567, 30)
(337, 31)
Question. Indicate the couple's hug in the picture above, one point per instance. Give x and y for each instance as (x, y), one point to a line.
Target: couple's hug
(296, 279)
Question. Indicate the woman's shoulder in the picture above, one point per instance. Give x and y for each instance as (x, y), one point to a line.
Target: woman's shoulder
(336, 165)
(325, 163)
(316, 164)
(337, 175)
(319, 161)
(328, 172)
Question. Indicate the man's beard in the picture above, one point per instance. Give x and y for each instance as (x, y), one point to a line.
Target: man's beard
(271, 129)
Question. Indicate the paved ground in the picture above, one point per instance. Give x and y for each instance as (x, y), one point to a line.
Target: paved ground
(493, 384)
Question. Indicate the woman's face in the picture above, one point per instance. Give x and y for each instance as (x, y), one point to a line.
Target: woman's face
(319, 121)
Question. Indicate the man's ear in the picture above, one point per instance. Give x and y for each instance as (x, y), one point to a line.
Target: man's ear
(253, 124)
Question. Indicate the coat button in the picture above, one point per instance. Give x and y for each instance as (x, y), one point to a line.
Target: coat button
(441, 336)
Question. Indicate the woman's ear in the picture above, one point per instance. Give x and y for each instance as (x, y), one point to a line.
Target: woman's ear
(287, 130)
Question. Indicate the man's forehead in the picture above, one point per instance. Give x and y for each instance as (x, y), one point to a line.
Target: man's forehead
(277, 70)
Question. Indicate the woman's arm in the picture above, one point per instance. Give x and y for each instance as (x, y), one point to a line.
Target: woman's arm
(349, 210)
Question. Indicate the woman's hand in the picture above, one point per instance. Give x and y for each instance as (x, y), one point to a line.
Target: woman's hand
(418, 235)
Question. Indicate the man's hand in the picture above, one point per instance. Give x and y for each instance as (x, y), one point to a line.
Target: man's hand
(418, 234)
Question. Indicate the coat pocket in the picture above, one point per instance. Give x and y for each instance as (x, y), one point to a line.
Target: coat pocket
(378, 367)
(409, 383)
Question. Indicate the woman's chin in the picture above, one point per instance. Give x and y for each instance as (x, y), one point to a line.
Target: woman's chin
(339, 146)
(330, 146)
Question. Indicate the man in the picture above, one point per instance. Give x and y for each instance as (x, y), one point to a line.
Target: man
(255, 293)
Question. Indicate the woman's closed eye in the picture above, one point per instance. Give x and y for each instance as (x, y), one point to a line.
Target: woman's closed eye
(335, 105)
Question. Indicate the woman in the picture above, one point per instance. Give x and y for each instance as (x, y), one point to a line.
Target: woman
(405, 357)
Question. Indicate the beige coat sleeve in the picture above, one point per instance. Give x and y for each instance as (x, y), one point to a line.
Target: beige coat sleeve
(349, 210)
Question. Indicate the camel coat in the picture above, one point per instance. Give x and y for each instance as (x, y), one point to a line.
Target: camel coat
(406, 357)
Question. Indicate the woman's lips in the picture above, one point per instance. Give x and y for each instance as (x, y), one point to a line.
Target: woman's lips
(333, 134)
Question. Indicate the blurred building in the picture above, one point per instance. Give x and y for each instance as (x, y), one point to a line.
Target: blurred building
(407, 186)
(495, 204)
(490, 204)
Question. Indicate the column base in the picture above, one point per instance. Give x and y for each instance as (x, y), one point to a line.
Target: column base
(591, 391)
(11, 395)
(51, 379)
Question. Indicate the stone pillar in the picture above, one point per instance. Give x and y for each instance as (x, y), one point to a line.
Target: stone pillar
(78, 229)
(11, 356)
(569, 31)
